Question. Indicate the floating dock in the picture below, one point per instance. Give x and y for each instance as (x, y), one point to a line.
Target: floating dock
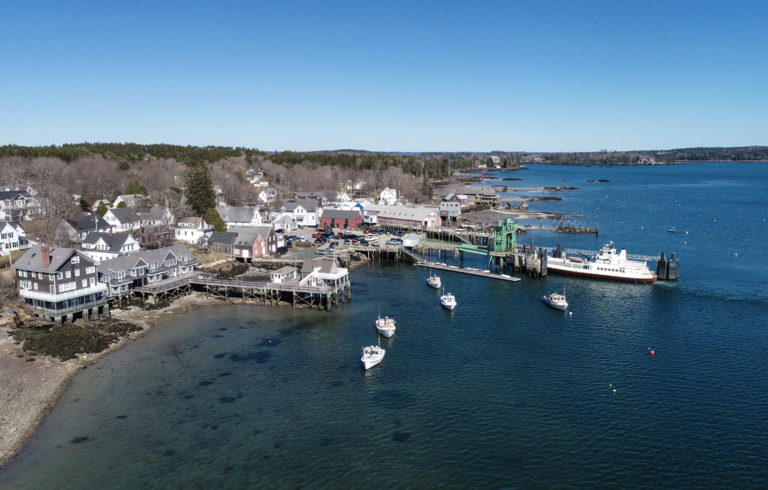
(471, 272)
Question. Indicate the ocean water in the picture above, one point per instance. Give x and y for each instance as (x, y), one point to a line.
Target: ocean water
(502, 392)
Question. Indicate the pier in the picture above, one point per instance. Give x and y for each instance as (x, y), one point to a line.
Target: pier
(263, 292)
(471, 272)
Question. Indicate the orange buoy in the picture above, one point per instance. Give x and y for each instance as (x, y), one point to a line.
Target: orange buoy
(653, 352)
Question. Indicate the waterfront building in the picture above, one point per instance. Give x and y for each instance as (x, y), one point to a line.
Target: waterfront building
(222, 242)
(409, 216)
(323, 271)
(337, 218)
(145, 267)
(283, 275)
(254, 242)
(306, 212)
(59, 282)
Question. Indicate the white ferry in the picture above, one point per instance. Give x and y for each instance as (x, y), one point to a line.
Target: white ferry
(606, 264)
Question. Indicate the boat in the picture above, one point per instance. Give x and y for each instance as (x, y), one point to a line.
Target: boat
(672, 230)
(434, 281)
(372, 355)
(556, 301)
(448, 301)
(607, 263)
(385, 326)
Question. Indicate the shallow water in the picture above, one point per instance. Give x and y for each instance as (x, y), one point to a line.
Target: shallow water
(501, 392)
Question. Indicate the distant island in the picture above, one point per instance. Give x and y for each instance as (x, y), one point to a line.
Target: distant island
(436, 164)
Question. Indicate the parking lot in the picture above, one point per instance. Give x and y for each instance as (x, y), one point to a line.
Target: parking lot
(311, 242)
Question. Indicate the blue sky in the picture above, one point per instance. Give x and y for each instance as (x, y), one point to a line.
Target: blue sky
(387, 76)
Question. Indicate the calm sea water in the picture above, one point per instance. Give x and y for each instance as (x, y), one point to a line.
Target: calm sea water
(503, 392)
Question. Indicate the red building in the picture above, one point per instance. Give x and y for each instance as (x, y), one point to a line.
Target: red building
(336, 218)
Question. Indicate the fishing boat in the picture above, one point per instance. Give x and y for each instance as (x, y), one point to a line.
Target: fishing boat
(556, 301)
(372, 355)
(605, 264)
(434, 281)
(385, 326)
(448, 301)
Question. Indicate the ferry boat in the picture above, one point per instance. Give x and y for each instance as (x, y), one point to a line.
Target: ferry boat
(385, 326)
(606, 264)
(372, 355)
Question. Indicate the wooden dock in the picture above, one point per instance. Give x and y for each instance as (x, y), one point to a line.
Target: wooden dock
(471, 272)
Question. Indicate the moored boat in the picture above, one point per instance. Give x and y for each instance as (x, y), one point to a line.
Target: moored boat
(556, 301)
(385, 326)
(372, 355)
(605, 264)
(434, 281)
(448, 301)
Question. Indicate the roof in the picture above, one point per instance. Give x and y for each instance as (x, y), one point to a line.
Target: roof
(341, 214)
(124, 215)
(89, 222)
(285, 270)
(246, 236)
(235, 214)
(33, 259)
(190, 222)
(12, 195)
(143, 257)
(419, 213)
(326, 265)
(309, 204)
(114, 241)
(223, 237)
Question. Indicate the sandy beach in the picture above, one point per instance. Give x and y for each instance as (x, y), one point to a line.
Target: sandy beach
(29, 389)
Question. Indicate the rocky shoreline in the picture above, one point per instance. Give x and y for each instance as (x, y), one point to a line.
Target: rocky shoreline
(30, 386)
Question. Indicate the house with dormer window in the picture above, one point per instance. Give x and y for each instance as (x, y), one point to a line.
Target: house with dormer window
(104, 246)
(17, 205)
(59, 283)
(122, 274)
(306, 212)
(239, 217)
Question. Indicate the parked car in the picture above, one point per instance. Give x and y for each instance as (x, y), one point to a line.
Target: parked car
(394, 241)
(317, 235)
(281, 250)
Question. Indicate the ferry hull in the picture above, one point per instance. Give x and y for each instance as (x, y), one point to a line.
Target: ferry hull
(595, 275)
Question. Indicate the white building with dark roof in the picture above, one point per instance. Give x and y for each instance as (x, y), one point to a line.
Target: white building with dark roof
(12, 237)
(104, 246)
(123, 219)
(241, 217)
(413, 216)
(192, 230)
(306, 212)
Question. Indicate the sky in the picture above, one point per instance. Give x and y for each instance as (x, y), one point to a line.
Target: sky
(386, 75)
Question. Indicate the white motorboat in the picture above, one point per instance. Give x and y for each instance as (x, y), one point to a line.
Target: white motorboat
(434, 281)
(448, 301)
(556, 301)
(385, 326)
(606, 264)
(372, 355)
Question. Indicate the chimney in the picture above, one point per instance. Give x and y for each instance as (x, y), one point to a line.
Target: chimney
(46, 255)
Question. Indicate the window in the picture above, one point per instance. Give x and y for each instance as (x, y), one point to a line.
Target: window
(77, 272)
(93, 281)
(60, 275)
(35, 285)
(85, 283)
(67, 286)
(68, 274)
(75, 259)
(25, 284)
(90, 270)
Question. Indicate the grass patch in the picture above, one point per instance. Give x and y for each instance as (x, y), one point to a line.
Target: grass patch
(66, 341)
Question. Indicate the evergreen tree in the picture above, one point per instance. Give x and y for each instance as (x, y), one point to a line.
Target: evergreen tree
(199, 189)
(102, 209)
(134, 187)
(84, 205)
(122, 204)
(213, 218)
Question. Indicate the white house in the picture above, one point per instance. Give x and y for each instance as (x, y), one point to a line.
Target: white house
(283, 221)
(388, 196)
(342, 196)
(104, 246)
(12, 237)
(268, 194)
(241, 217)
(16, 205)
(306, 212)
(130, 200)
(192, 230)
(157, 216)
(122, 219)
